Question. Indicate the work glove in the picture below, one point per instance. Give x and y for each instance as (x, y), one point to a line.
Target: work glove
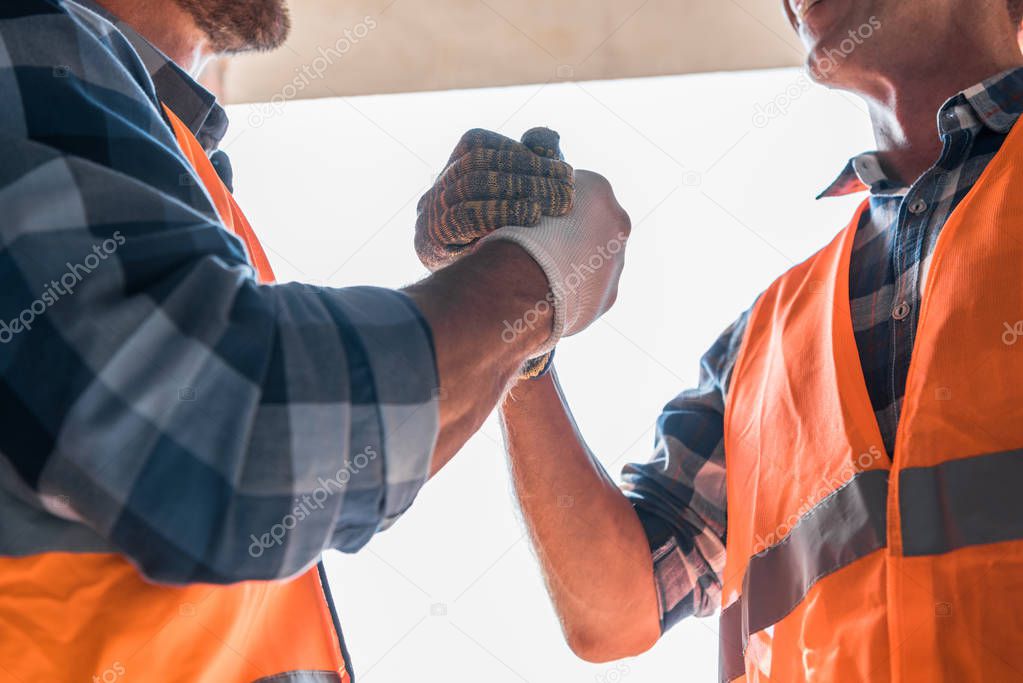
(491, 182)
(582, 255)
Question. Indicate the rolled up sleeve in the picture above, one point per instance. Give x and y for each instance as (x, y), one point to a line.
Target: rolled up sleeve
(680, 494)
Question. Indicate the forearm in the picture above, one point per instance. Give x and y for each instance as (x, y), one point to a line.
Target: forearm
(476, 357)
(591, 546)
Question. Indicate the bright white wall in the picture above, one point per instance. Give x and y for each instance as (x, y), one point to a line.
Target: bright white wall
(721, 198)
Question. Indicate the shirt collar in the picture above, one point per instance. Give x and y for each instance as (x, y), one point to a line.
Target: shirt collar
(195, 105)
(995, 103)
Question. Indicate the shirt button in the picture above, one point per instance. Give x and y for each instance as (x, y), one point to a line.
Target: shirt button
(901, 312)
(918, 206)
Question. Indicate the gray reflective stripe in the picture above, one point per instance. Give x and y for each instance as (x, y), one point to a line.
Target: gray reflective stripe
(962, 503)
(302, 677)
(731, 664)
(845, 527)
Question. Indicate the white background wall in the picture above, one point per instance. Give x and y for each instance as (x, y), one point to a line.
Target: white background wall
(722, 202)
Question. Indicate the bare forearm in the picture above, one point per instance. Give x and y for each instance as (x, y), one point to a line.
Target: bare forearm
(590, 543)
(467, 306)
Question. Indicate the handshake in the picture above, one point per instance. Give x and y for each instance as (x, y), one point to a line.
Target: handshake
(569, 222)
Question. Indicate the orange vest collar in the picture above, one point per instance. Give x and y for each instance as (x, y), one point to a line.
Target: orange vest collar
(227, 208)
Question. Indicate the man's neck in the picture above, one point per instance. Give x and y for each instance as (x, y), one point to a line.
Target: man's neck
(167, 26)
(904, 111)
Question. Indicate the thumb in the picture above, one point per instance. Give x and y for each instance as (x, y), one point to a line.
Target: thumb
(543, 142)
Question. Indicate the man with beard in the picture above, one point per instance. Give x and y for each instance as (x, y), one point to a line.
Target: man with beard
(844, 484)
(180, 440)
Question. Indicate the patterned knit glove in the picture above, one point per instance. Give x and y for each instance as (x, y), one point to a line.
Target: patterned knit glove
(492, 182)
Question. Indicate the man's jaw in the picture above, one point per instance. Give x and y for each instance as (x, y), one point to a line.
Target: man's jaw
(802, 8)
(824, 21)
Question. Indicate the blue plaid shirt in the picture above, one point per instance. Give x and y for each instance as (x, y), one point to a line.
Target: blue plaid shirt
(680, 493)
(155, 400)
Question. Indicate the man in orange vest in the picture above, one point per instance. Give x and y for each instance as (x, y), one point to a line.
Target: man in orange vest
(844, 484)
(180, 439)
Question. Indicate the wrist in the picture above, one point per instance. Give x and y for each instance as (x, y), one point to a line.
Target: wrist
(525, 395)
(553, 302)
(525, 304)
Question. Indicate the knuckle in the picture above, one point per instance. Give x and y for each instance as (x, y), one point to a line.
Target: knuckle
(625, 219)
(593, 179)
(426, 249)
(473, 135)
(449, 176)
(420, 238)
(423, 201)
(626, 223)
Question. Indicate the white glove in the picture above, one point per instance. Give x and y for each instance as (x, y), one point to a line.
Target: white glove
(582, 255)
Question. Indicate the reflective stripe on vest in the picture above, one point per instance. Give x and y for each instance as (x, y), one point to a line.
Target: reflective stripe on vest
(960, 503)
(844, 527)
(302, 677)
(72, 609)
(844, 564)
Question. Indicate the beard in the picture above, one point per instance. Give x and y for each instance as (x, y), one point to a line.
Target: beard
(234, 26)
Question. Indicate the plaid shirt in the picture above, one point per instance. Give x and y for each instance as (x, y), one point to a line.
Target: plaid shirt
(680, 493)
(155, 400)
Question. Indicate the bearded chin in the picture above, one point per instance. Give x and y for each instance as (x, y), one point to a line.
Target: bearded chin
(234, 26)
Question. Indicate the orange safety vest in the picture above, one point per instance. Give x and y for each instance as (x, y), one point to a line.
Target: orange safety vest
(85, 616)
(844, 564)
